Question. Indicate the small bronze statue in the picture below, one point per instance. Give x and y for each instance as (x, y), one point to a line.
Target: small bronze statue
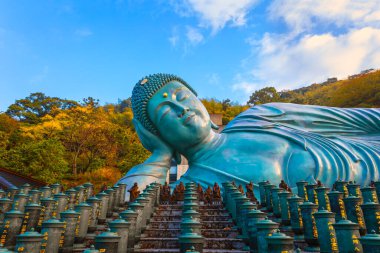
(249, 193)
(165, 192)
(200, 192)
(208, 195)
(133, 192)
(241, 189)
(216, 192)
(284, 186)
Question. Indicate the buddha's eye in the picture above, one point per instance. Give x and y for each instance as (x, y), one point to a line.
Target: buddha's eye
(182, 95)
(164, 110)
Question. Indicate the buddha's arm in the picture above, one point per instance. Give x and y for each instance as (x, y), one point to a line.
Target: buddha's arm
(154, 169)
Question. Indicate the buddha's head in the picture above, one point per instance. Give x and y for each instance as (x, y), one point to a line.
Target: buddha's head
(168, 107)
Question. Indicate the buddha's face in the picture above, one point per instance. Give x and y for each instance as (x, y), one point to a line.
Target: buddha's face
(179, 115)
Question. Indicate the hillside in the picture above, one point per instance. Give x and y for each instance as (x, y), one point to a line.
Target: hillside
(361, 91)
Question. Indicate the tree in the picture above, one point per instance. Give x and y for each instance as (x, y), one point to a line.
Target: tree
(44, 160)
(263, 96)
(37, 105)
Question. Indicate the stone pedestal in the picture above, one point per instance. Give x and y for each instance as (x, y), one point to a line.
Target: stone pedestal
(20, 200)
(354, 213)
(301, 189)
(347, 234)
(268, 196)
(45, 192)
(111, 201)
(326, 233)
(369, 194)
(52, 231)
(34, 196)
(323, 199)
(70, 217)
(190, 241)
(121, 227)
(371, 214)
(94, 214)
(284, 207)
(130, 216)
(72, 198)
(84, 210)
(341, 186)
(311, 193)
(32, 217)
(309, 226)
(103, 206)
(370, 243)
(280, 243)
(80, 197)
(48, 208)
(29, 242)
(276, 201)
(88, 190)
(354, 190)
(62, 203)
(107, 242)
(11, 228)
(56, 188)
(337, 204)
(263, 200)
(264, 228)
(295, 214)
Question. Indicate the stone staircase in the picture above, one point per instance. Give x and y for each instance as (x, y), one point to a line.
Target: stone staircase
(163, 230)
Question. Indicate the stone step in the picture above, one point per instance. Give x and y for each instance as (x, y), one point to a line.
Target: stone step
(208, 233)
(179, 218)
(172, 243)
(177, 251)
(177, 224)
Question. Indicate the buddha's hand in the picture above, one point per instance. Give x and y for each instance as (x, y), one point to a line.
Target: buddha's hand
(152, 142)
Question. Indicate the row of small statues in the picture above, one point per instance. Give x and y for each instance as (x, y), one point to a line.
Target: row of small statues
(208, 196)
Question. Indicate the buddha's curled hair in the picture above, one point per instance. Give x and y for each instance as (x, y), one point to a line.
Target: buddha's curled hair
(144, 90)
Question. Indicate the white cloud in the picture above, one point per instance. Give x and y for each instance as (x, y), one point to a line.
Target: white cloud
(83, 32)
(313, 49)
(303, 15)
(216, 13)
(194, 36)
(314, 58)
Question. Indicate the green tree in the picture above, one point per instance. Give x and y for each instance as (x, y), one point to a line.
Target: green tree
(263, 96)
(32, 108)
(44, 160)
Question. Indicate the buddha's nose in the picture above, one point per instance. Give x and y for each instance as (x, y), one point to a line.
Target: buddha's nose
(184, 110)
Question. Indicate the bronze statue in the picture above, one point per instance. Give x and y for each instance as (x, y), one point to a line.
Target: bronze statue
(200, 192)
(241, 189)
(134, 192)
(208, 195)
(216, 192)
(284, 186)
(165, 192)
(249, 193)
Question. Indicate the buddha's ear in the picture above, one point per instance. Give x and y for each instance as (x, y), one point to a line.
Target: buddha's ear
(177, 157)
(214, 126)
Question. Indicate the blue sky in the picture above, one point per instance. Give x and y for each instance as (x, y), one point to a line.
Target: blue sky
(223, 48)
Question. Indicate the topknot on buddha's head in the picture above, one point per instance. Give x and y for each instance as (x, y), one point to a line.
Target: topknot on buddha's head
(144, 90)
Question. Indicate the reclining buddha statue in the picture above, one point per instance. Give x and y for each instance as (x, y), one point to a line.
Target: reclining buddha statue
(275, 141)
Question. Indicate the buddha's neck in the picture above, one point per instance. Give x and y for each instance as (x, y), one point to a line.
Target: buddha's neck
(201, 150)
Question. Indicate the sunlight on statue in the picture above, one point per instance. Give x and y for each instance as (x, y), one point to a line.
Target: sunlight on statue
(276, 141)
